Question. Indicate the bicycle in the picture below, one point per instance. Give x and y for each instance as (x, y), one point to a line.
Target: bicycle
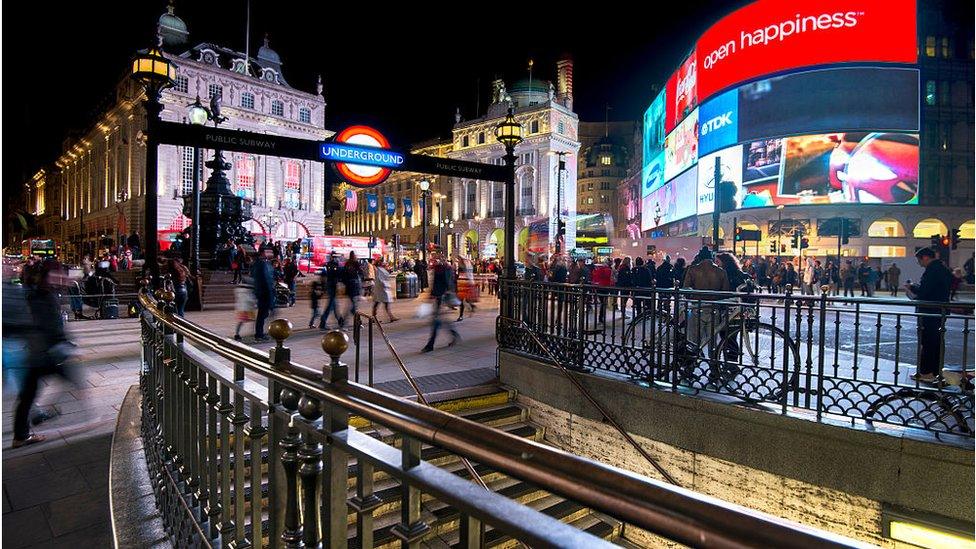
(946, 407)
(753, 350)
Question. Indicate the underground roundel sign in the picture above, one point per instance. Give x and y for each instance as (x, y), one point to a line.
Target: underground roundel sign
(362, 156)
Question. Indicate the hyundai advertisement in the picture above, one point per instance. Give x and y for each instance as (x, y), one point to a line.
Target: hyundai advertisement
(809, 102)
(670, 202)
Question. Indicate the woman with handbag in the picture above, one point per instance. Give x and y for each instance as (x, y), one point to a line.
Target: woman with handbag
(467, 290)
(383, 289)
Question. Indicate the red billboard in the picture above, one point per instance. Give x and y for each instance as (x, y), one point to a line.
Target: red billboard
(769, 36)
(681, 95)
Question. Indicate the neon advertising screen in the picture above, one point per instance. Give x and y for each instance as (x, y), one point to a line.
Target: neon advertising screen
(807, 102)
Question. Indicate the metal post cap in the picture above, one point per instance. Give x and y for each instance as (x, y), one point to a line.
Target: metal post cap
(158, 294)
(280, 329)
(335, 343)
(168, 296)
(824, 289)
(144, 282)
(789, 288)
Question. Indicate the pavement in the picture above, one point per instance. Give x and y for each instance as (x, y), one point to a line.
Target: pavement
(55, 493)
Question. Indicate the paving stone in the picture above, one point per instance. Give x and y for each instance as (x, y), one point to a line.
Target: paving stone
(97, 535)
(43, 488)
(25, 467)
(77, 512)
(80, 452)
(95, 473)
(24, 528)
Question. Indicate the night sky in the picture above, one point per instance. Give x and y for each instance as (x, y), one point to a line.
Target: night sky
(402, 69)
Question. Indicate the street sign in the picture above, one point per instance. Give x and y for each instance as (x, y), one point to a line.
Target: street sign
(604, 250)
(453, 168)
(188, 135)
(361, 155)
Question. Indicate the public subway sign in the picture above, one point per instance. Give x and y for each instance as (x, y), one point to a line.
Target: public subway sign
(362, 156)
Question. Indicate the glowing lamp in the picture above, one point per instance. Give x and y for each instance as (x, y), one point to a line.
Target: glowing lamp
(153, 70)
(509, 132)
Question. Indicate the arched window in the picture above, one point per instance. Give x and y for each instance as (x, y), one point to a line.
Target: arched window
(886, 228)
(526, 193)
(244, 179)
(967, 231)
(293, 185)
(929, 227)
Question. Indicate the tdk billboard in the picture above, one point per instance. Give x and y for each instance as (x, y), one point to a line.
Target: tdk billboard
(718, 122)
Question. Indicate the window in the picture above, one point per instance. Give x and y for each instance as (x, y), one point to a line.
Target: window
(929, 227)
(589, 186)
(481, 137)
(606, 160)
(930, 92)
(247, 100)
(930, 46)
(186, 172)
(886, 228)
(945, 47)
(886, 251)
(305, 115)
(589, 200)
(293, 185)
(561, 128)
(944, 93)
(244, 180)
(534, 127)
(464, 141)
(526, 158)
(604, 173)
(526, 191)
(182, 84)
(277, 108)
(215, 90)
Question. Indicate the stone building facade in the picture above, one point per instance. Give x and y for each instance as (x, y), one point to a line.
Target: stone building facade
(96, 188)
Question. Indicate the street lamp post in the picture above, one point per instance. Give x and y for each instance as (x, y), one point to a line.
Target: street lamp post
(509, 133)
(155, 73)
(560, 228)
(424, 198)
(198, 115)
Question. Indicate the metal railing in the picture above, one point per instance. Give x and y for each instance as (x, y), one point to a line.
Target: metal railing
(827, 357)
(246, 448)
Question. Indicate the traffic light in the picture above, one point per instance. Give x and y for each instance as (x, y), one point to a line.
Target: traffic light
(804, 243)
(955, 238)
(782, 248)
(845, 237)
(945, 241)
(772, 247)
(796, 240)
(560, 227)
(738, 234)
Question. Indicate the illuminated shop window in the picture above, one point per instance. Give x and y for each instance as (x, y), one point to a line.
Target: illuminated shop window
(967, 231)
(886, 251)
(946, 52)
(886, 228)
(930, 92)
(293, 185)
(929, 227)
(930, 46)
(247, 100)
(277, 108)
(244, 180)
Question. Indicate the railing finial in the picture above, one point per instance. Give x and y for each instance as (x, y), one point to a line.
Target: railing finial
(280, 330)
(334, 344)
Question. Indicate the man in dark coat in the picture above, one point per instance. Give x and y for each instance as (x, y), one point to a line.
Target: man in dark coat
(440, 285)
(934, 286)
(264, 293)
(331, 273)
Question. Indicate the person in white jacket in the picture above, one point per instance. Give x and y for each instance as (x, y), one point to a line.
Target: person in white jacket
(383, 289)
(809, 277)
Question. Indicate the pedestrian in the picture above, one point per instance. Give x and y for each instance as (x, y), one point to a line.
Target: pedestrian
(262, 277)
(352, 279)
(574, 274)
(420, 268)
(602, 278)
(955, 283)
(824, 278)
(467, 291)
(847, 276)
(934, 287)
(625, 283)
(809, 276)
(179, 275)
(664, 275)
(48, 348)
(315, 294)
(878, 277)
(239, 263)
(643, 280)
(290, 274)
(705, 275)
(245, 305)
(331, 274)
(863, 277)
(790, 277)
(678, 273)
(440, 285)
(873, 280)
(383, 290)
(893, 275)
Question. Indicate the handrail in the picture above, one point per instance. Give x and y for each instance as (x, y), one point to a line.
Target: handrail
(589, 397)
(416, 388)
(676, 513)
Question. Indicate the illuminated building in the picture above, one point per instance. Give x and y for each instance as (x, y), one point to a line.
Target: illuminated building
(96, 187)
(605, 153)
(476, 207)
(822, 125)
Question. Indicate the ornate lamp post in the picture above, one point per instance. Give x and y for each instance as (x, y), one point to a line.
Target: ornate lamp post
(155, 73)
(198, 116)
(509, 133)
(560, 225)
(424, 198)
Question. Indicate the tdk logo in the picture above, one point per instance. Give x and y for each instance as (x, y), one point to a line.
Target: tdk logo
(716, 123)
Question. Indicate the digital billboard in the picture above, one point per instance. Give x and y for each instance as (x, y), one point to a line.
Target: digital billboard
(672, 201)
(806, 102)
(858, 98)
(681, 146)
(681, 93)
(771, 36)
(730, 164)
(654, 131)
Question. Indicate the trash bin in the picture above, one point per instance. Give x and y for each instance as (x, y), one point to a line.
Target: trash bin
(407, 285)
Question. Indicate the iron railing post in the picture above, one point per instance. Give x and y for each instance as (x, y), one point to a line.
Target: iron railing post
(334, 511)
(784, 384)
(820, 362)
(280, 357)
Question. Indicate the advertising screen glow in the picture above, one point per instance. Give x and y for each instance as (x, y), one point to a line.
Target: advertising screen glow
(673, 201)
(681, 93)
(681, 147)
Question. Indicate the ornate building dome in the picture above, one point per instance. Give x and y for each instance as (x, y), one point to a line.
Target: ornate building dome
(172, 28)
(525, 93)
